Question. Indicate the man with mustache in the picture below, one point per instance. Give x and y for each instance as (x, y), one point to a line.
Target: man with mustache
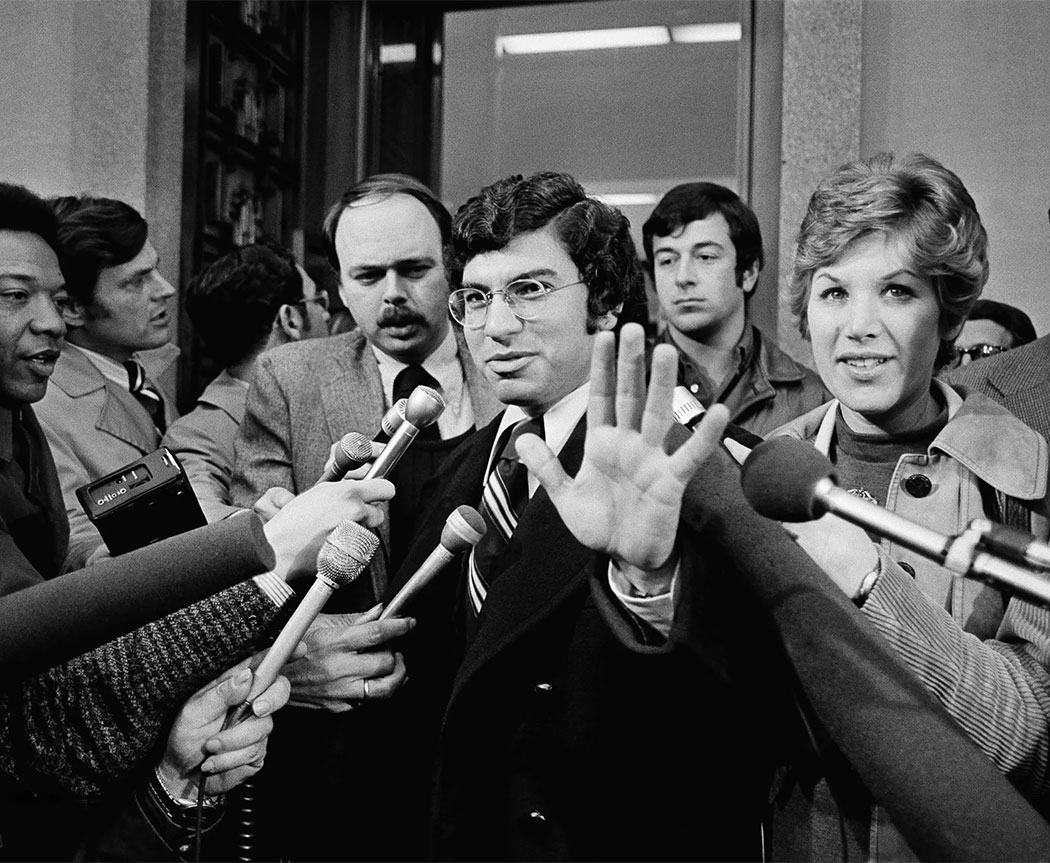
(105, 406)
(704, 249)
(385, 238)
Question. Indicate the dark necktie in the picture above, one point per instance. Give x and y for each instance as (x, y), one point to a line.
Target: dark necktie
(407, 380)
(502, 503)
(145, 393)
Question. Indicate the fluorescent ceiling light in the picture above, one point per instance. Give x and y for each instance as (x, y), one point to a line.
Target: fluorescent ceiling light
(729, 32)
(582, 40)
(403, 52)
(629, 199)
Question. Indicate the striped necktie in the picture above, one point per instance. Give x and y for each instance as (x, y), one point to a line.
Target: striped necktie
(502, 503)
(145, 393)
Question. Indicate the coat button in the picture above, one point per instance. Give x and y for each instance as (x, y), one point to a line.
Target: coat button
(918, 485)
(907, 567)
(542, 687)
(694, 388)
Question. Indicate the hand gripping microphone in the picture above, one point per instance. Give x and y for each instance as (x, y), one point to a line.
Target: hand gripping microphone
(345, 552)
(423, 407)
(354, 450)
(463, 529)
(788, 480)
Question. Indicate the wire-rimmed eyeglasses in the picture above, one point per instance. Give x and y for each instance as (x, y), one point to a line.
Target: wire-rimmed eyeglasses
(977, 352)
(526, 298)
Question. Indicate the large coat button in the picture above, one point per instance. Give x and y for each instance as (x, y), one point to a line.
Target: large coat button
(918, 485)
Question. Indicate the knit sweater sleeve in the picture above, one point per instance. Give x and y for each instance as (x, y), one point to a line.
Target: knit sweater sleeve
(82, 726)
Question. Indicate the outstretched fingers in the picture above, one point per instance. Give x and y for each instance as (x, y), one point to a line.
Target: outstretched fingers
(601, 407)
(687, 459)
(542, 464)
(663, 376)
(630, 377)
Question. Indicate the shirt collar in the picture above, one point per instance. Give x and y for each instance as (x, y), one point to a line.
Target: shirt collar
(443, 364)
(110, 369)
(558, 422)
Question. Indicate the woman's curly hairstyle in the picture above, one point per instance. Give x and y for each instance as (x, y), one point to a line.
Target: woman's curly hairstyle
(914, 200)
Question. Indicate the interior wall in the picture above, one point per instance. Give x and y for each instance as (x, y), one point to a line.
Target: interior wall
(92, 102)
(966, 82)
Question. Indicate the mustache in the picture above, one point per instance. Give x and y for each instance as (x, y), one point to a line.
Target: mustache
(399, 318)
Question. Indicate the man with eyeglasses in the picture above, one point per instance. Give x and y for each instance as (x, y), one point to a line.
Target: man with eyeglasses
(991, 328)
(107, 404)
(251, 299)
(552, 740)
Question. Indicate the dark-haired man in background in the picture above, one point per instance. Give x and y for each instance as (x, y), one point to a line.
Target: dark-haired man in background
(105, 406)
(704, 248)
(253, 298)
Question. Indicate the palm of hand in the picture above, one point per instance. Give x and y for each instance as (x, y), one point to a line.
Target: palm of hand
(623, 501)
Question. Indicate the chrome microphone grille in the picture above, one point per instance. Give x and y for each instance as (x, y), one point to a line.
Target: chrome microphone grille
(346, 552)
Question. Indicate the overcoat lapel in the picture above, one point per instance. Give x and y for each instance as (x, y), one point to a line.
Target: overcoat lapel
(552, 568)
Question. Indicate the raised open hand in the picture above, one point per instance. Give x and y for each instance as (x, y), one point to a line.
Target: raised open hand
(626, 498)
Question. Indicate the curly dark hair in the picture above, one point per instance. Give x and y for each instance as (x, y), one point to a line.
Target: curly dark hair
(596, 236)
(95, 234)
(233, 302)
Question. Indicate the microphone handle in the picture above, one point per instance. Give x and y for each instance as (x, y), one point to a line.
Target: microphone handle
(284, 645)
(430, 567)
(961, 555)
(385, 461)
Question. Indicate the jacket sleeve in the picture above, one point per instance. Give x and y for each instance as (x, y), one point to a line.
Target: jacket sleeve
(82, 726)
(998, 690)
(202, 440)
(263, 456)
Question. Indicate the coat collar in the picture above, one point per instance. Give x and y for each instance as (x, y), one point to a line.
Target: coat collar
(981, 435)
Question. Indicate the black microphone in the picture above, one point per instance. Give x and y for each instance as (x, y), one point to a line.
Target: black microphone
(354, 450)
(345, 552)
(463, 529)
(390, 421)
(788, 480)
(423, 407)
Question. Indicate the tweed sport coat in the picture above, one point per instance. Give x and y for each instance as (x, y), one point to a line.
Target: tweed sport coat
(1019, 379)
(305, 396)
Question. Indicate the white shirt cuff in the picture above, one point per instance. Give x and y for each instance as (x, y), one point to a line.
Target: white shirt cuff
(657, 611)
(274, 587)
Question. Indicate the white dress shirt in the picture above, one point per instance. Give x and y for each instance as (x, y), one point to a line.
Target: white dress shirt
(444, 365)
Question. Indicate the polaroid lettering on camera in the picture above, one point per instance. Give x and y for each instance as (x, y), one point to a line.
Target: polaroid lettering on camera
(146, 500)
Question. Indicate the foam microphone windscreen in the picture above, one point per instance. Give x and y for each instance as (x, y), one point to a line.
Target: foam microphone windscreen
(463, 529)
(52, 622)
(778, 478)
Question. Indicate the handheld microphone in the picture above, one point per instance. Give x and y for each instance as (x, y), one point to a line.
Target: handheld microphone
(687, 409)
(463, 529)
(354, 450)
(788, 480)
(345, 552)
(390, 421)
(423, 407)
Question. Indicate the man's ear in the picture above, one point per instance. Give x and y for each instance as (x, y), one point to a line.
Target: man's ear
(749, 278)
(290, 322)
(74, 314)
